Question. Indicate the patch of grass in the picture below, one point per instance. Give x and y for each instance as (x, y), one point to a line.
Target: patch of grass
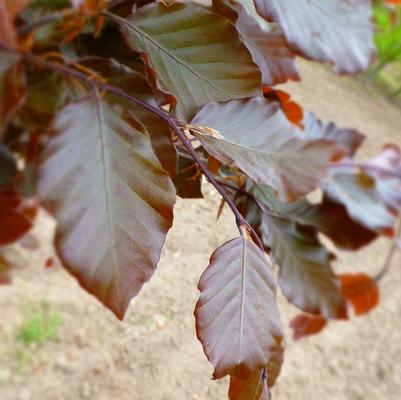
(24, 360)
(40, 324)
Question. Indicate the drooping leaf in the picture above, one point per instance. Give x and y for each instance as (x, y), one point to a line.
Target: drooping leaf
(111, 198)
(134, 83)
(361, 291)
(8, 167)
(237, 319)
(255, 136)
(4, 272)
(12, 87)
(306, 325)
(315, 128)
(291, 109)
(335, 31)
(305, 273)
(265, 41)
(358, 193)
(197, 55)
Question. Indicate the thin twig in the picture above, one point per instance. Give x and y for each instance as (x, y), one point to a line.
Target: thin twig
(393, 248)
(174, 124)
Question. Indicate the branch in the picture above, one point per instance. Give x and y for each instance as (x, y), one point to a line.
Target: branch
(395, 245)
(174, 124)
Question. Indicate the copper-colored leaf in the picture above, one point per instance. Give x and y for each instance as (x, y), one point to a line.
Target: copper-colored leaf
(256, 136)
(292, 110)
(306, 325)
(197, 55)
(335, 31)
(111, 198)
(8, 11)
(361, 291)
(12, 87)
(265, 41)
(237, 319)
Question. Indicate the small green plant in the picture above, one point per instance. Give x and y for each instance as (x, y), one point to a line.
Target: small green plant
(40, 324)
(23, 360)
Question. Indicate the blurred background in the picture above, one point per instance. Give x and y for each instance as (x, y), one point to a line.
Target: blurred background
(58, 343)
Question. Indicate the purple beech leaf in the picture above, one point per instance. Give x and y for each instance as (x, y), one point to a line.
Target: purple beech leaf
(111, 198)
(237, 319)
(265, 41)
(359, 194)
(315, 128)
(255, 136)
(134, 83)
(335, 31)
(12, 87)
(196, 54)
(305, 273)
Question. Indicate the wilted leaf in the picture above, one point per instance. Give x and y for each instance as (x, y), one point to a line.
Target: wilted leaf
(265, 41)
(315, 128)
(358, 193)
(305, 274)
(111, 198)
(4, 272)
(306, 325)
(335, 31)
(237, 319)
(361, 291)
(8, 167)
(12, 87)
(254, 388)
(196, 54)
(255, 136)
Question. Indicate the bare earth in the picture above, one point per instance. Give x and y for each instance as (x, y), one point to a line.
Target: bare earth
(154, 353)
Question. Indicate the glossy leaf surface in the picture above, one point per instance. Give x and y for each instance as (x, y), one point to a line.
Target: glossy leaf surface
(111, 198)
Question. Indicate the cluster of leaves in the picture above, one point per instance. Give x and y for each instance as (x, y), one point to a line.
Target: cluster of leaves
(108, 109)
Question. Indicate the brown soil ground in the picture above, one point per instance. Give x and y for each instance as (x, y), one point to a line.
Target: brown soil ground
(154, 354)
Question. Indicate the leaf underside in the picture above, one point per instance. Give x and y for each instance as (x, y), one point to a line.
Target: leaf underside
(111, 198)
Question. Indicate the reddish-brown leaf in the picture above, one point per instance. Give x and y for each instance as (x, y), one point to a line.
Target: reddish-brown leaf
(13, 225)
(335, 31)
(306, 325)
(291, 109)
(237, 318)
(111, 197)
(8, 11)
(361, 291)
(254, 388)
(264, 40)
